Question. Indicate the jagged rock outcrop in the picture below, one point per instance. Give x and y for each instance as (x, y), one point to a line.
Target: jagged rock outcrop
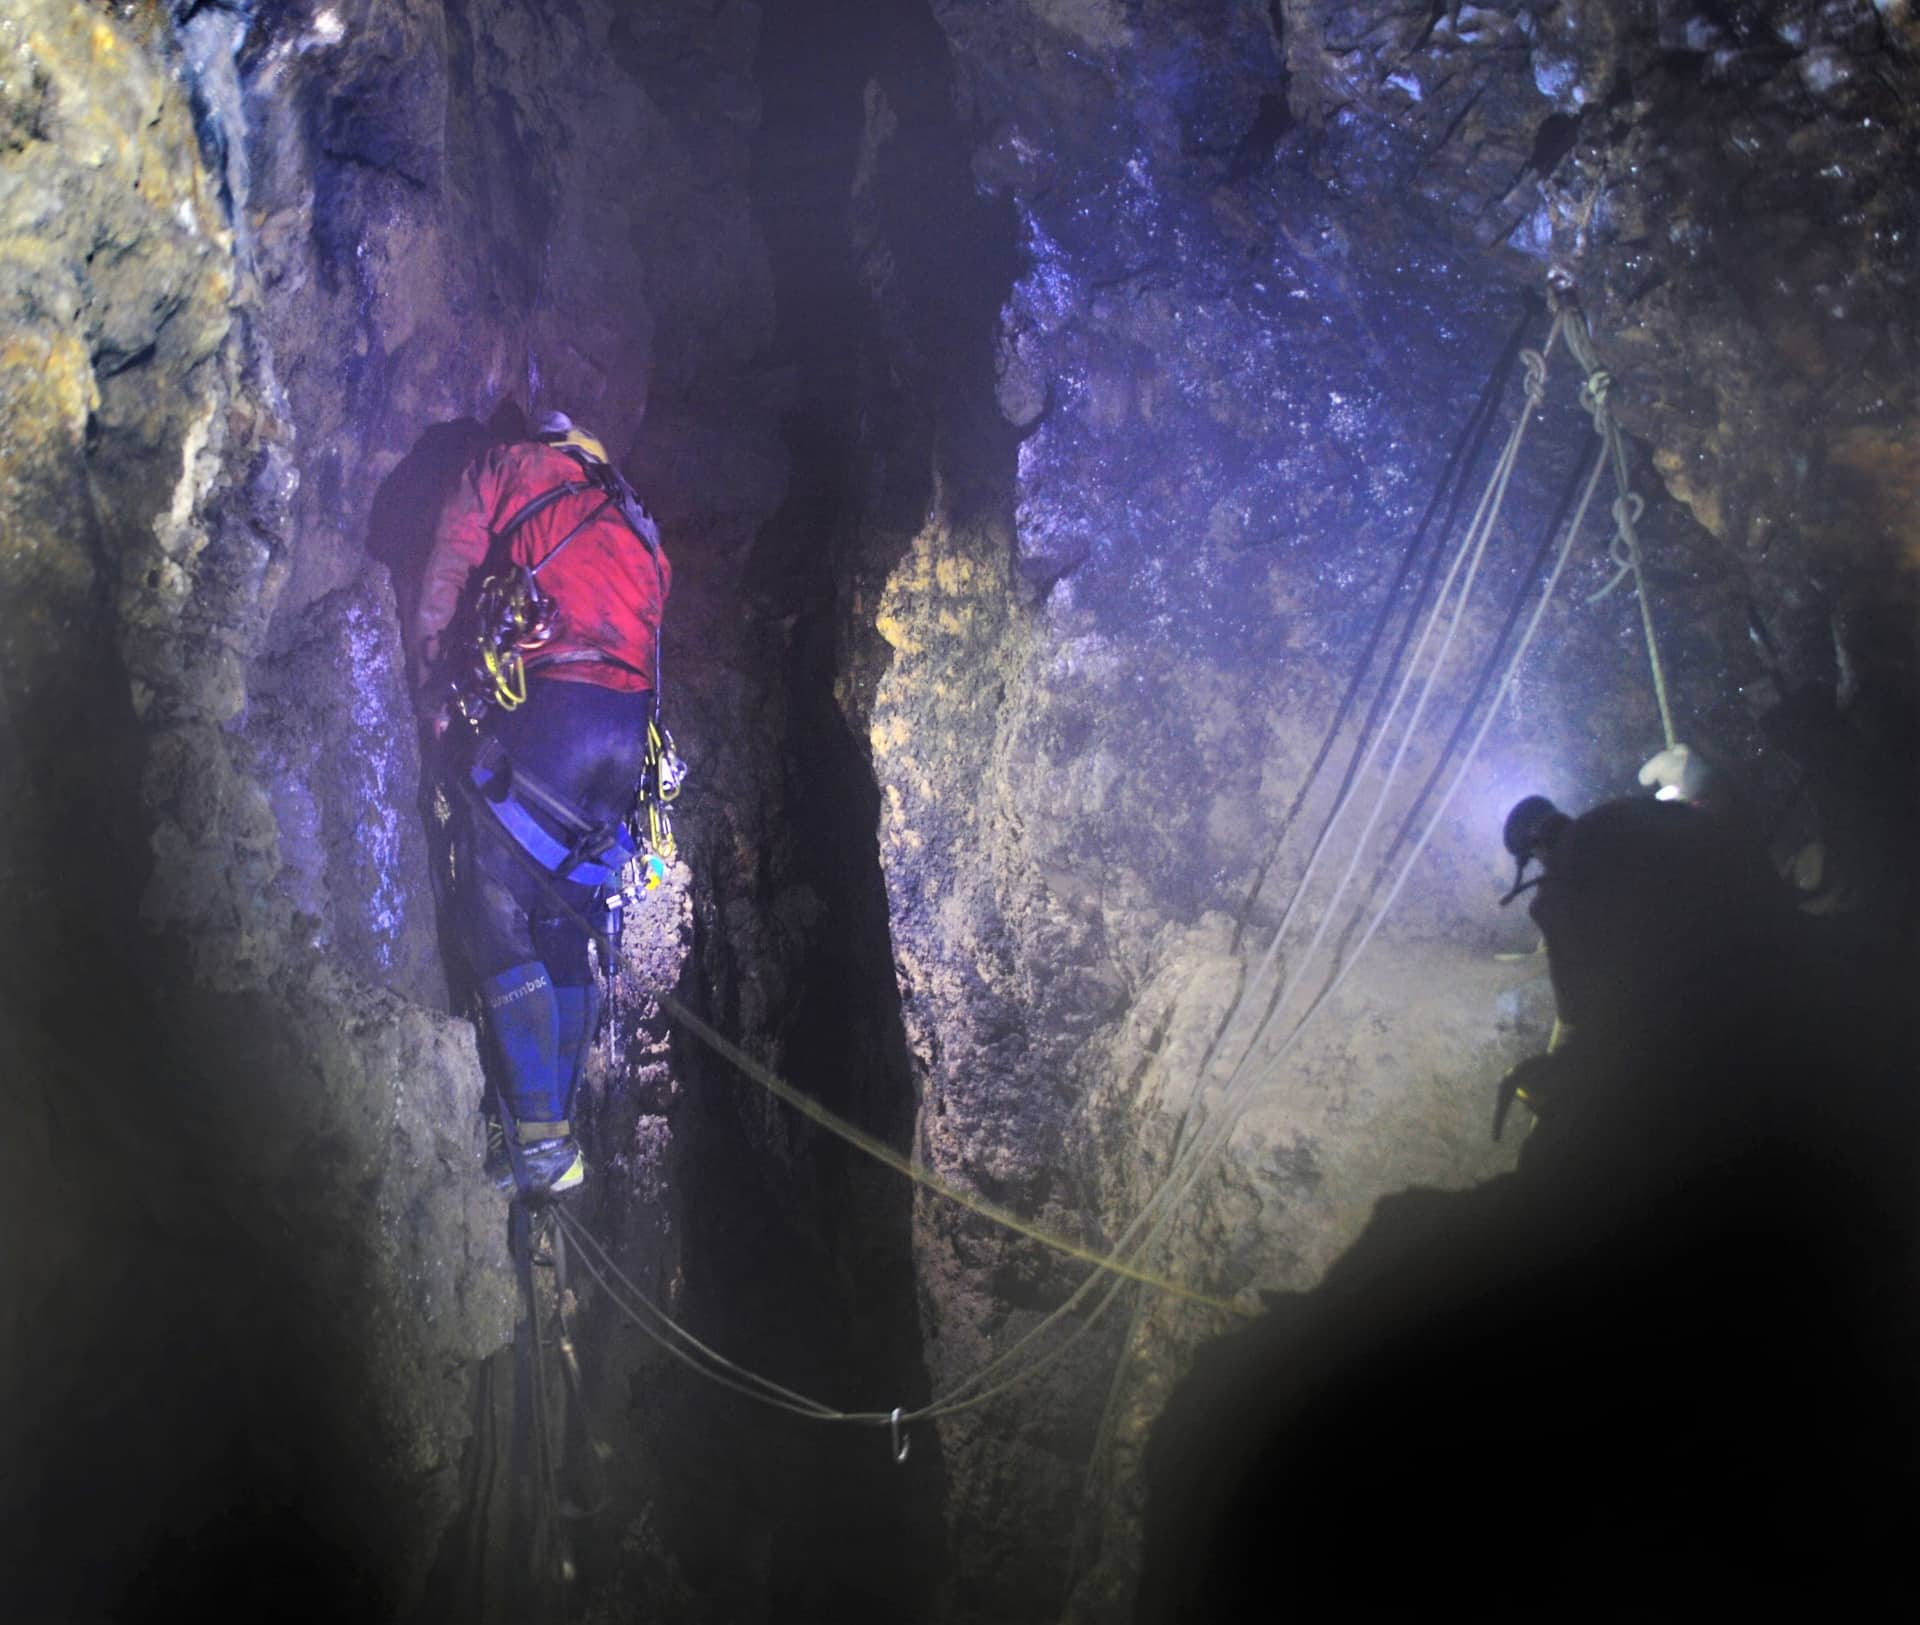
(266, 271)
(1040, 399)
(253, 1136)
(1267, 253)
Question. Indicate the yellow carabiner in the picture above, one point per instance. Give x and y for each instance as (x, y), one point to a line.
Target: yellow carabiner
(660, 832)
(509, 674)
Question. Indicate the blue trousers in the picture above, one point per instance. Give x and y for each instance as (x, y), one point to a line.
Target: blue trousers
(522, 935)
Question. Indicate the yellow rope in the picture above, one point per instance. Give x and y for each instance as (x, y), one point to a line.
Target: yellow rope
(807, 1106)
(977, 1389)
(1197, 1156)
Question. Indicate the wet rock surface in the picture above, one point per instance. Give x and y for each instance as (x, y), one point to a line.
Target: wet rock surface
(259, 259)
(1040, 399)
(315, 258)
(256, 1133)
(1267, 255)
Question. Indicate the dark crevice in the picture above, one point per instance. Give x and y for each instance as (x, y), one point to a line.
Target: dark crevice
(1552, 142)
(376, 166)
(798, 1260)
(1438, 10)
(1272, 121)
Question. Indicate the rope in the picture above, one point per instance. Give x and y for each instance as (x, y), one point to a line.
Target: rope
(1156, 1213)
(549, 1555)
(859, 1138)
(799, 1403)
(1218, 1133)
(1473, 749)
(1192, 1160)
(1448, 489)
(808, 1107)
(1492, 496)
(1419, 846)
(1433, 823)
(1472, 545)
(600, 1264)
(1236, 1098)
(1624, 548)
(597, 1453)
(730, 1375)
(1489, 669)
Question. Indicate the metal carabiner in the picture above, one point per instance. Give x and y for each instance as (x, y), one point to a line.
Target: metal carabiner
(901, 1443)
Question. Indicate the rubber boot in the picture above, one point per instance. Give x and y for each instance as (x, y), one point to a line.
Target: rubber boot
(523, 1016)
(579, 1014)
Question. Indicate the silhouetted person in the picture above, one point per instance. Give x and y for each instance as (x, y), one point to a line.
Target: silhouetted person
(1666, 1367)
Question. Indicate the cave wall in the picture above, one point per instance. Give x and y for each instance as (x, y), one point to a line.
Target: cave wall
(271, 275)
(1027, 536)
(354, 243)
(1266, 255)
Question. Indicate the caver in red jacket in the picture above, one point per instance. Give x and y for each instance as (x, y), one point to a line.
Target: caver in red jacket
(609, 585)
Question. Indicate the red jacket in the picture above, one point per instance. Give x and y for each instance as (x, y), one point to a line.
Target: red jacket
(609, 586)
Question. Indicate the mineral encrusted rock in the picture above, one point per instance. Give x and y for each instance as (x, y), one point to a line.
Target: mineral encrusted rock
(1267, 254)
(1037, 449)
(250, 259)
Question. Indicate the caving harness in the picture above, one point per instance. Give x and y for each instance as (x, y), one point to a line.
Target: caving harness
(627, 860)
(513, 620)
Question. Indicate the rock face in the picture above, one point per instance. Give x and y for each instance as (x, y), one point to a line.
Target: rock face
(1267, 253)
(1064, 416)
(251, 1130)
(267, 270)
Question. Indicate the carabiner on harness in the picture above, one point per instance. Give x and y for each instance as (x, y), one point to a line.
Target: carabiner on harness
(512, 618)
(665, 771)
(661, 779)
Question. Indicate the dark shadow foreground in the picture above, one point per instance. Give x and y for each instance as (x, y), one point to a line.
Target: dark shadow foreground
(1667, 1368)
